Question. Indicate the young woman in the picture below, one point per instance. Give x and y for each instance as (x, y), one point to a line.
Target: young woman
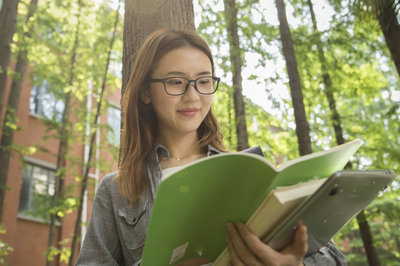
(168, 122)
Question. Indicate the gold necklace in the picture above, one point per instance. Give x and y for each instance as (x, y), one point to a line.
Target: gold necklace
(186, 157)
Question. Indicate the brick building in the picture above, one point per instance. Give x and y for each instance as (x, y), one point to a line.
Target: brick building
(31, 178)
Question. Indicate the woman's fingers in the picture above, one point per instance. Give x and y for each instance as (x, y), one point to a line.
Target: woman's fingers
(265, 253)
(300, 241)
(262, 254)
(299, 246)
(194, 261)
(235, 260)
(238, 249)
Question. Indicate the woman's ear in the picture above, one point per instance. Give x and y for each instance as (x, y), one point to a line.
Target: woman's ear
(145, 97)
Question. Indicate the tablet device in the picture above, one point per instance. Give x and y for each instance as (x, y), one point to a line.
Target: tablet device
(331, 207)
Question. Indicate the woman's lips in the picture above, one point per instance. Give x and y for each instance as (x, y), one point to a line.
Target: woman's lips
(189, 112)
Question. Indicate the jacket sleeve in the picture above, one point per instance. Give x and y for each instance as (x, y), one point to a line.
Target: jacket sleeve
(328, 255)
(101, 245)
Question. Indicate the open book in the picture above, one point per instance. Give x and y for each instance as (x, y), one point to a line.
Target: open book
(193, 204)
(278, 205)
(330, 204)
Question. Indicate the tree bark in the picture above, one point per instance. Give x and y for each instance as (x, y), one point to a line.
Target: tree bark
(302, 127)
(398, 244)
(8, 19)
(230, 120)
(391, 31)
(335, 116)
(12, 107)
(63, 144)
(366, 236)
(92, 144)
(143, 17)
(236, 68)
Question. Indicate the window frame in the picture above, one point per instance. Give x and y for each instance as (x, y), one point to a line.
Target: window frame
(110, 141)
(34, 162)
(36, 99)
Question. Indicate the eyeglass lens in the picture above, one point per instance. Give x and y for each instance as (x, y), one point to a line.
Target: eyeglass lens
(205, 85)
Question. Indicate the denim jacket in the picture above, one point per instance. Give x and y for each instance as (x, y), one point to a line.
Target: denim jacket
(117, 229)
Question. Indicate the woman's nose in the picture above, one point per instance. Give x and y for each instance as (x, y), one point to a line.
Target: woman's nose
(191, 92)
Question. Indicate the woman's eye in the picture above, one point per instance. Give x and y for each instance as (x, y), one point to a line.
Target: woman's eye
(204, 81)
(175, 82)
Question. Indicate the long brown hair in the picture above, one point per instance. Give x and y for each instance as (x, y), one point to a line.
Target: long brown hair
(139, 120)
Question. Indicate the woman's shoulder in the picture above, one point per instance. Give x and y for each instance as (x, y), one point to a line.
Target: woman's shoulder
(109, 177)
(108, 189)
(108, 184)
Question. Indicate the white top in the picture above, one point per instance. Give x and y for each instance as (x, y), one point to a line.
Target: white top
(169, 171)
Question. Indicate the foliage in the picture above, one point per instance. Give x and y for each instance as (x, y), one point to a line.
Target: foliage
(5, 249)
(256, 38)
(355, 56)
(63, 252)
(364, 84)
(49, 54)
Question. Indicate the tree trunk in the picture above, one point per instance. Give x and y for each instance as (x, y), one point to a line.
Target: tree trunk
(397, 244)
(230, 123)
(236, 67)
(8, 131)
(335, 117)
(365, 231)
(63, 144)
(302, 127)
(92, 144)
(8, 19)
(391, 30)
(12, 108)
(143, 17)
(366, 236)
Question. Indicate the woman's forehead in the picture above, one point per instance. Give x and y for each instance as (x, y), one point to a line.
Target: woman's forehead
(182, 60)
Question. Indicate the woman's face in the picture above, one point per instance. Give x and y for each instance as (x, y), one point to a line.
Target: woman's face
(181, 114)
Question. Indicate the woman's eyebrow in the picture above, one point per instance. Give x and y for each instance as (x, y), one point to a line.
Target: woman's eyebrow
(182, 73)
(204, 73)
(175, 73)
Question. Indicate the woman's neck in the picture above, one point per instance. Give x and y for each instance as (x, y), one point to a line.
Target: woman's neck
(182, 149)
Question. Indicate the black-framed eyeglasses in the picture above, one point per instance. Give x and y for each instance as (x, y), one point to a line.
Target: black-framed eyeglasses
(176, 86)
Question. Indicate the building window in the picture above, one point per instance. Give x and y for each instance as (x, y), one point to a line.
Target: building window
(114, 123)
(44, 103)
(115, 67)
(37, 189)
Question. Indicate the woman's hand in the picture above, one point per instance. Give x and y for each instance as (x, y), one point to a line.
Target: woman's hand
(245, 248)
(194, 262)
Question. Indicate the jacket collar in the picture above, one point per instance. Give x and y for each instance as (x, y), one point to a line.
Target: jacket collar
(159, 152)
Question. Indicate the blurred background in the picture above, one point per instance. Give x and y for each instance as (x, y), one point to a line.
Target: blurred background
(297, 76)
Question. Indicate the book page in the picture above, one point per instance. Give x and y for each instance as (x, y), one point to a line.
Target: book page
(317, 165)
(346, 150)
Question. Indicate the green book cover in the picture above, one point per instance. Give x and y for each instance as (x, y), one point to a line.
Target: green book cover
(192, 205)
